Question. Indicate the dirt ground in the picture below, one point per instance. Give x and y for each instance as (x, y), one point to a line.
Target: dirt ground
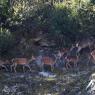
(65, 83)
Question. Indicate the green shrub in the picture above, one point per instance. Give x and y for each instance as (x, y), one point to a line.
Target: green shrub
(6, 42)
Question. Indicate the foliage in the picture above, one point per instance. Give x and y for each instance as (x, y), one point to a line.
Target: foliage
(61, 22)
(6, 42)
(87, 20)
(93, 1)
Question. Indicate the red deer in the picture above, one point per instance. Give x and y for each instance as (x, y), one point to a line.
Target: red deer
(21, 61)
(85, 47)
(85, 43)
(60, 57)
(69, 56)
(72, 57)
(46, 60)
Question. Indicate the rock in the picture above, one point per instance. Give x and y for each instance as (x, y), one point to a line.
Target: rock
(47, 74)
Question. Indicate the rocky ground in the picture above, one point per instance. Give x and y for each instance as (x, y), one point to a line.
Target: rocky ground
(65, 83)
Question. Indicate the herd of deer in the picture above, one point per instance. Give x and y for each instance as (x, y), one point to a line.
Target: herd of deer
(63, 54)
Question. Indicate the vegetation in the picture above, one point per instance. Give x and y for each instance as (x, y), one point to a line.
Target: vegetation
(30, 27)
(56, 21)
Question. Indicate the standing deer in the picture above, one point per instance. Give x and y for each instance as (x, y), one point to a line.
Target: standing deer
(46, 60)
(21, 61)
(60, 57)
(84, 48)
(72, 56)
(68, 56)
(71, 59)
(85, 43)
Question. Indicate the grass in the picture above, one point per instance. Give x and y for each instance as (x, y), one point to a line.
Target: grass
(66, 83)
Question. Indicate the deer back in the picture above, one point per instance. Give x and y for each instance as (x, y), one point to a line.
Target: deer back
(20, 61)
(48, 60)
(85, 43)
(72, 58)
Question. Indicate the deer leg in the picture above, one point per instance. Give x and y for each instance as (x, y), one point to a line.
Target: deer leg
(89, 60)
(29, 68)
(51, 68)
(15, 65)
(88, 64)
(23, 68)
(4, 67)
(68, 65)
(75, 64)
(11, 67)
(42, 66)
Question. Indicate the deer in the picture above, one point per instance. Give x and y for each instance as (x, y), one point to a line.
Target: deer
(22, 61)
(85, 47)
(85, 43)
(91, 57)
(41, 61)
(60, 56)
(3, 63)
(46, 60)
(72, 56)
(71, 59)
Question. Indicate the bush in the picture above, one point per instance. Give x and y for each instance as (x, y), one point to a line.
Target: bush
(6, 42)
